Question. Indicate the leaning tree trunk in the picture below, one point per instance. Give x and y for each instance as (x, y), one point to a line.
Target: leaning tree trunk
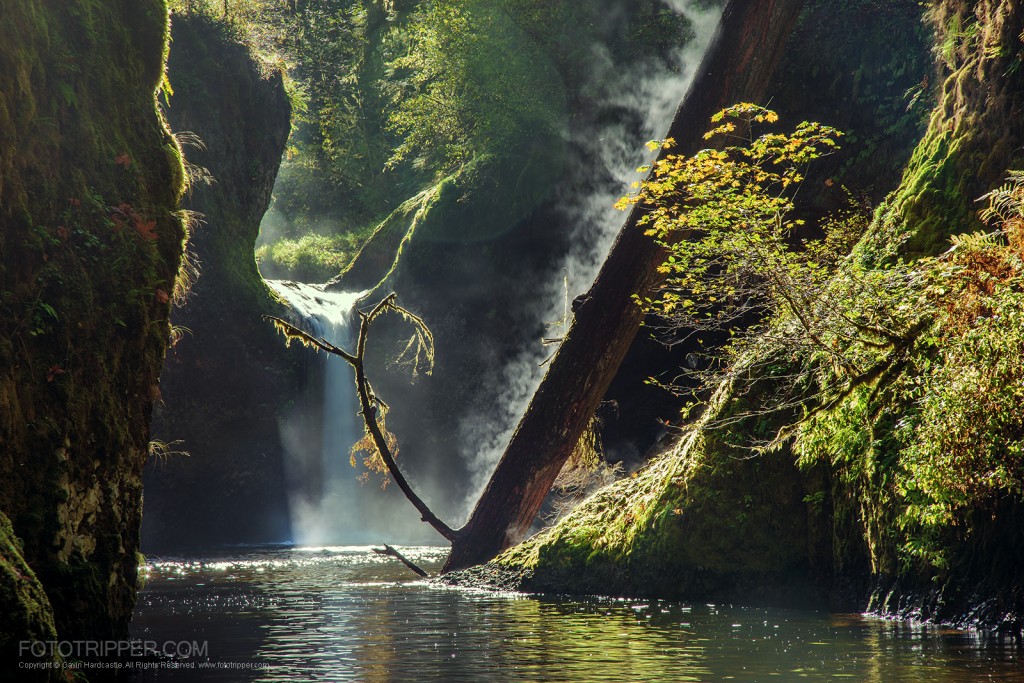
(741, 59)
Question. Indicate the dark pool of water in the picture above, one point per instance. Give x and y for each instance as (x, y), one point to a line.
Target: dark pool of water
(345, 614)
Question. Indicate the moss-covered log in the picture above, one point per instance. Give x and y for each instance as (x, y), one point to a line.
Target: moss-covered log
(90, 246)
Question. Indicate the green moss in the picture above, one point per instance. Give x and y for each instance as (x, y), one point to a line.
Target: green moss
(24, 606)
(705, 520)
(382, 250)
(310, 258)
(926, 466)
(971, 138)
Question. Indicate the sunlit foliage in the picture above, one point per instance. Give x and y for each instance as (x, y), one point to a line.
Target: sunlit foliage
(904, 376)
(942, 436)
(469, 80)
(310, 258)
(733, 265)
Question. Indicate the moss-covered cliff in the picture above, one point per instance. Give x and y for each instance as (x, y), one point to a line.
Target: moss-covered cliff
(90, 246)
(974, 133)
(228, 381)
(910, 484)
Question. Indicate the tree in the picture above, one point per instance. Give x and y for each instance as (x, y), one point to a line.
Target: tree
(817, 321)
(471, 81)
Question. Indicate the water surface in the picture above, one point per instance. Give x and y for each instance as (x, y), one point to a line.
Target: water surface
(345, 614)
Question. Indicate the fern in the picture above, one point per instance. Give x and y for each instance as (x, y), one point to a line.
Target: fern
(1005, 203)
(977, 241)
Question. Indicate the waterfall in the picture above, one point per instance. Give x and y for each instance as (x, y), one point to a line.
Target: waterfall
(324, 495)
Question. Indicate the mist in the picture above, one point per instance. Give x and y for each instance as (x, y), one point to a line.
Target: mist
(644, 100)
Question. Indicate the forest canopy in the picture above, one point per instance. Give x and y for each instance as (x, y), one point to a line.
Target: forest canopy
(390, 98)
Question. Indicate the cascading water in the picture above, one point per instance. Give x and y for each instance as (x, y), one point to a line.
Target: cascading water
(323, 490)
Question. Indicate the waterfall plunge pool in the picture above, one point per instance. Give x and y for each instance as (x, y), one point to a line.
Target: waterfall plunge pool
(345, 614)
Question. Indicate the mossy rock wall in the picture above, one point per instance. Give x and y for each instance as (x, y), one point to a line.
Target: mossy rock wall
(706, 521)
(974, 134)
(230, 379)
(694, 528)
(27, 614)
(868, 72)
(974, 138)
(90, 245)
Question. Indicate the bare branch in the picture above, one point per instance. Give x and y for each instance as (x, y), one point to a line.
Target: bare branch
(368, 409)
(391, 552)
(371, 407)
(293, 333)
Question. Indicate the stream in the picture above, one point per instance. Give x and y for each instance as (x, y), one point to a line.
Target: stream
(346, 614)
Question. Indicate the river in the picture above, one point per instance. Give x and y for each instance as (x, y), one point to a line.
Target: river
(346, 614)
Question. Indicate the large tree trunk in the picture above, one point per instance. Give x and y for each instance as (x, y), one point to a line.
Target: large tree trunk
(737, 67)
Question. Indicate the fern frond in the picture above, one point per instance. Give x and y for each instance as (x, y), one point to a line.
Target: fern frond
(977, 241)
(1006, 202)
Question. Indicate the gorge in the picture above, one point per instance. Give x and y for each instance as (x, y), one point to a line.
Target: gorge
(466, 155)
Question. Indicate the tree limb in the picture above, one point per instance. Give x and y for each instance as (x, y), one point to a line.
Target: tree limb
(391, 552)
(368, 402)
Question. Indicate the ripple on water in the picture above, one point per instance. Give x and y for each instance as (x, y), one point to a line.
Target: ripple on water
(342, 613)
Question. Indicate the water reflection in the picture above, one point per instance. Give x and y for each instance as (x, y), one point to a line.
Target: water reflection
(344, 614)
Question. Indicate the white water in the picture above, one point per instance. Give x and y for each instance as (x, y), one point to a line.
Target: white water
(324, 494)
